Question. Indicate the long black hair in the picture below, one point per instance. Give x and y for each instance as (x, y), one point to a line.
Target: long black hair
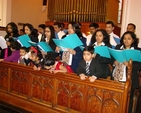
(14, 30)
(106, 38)
(34, 34)
(77, 29)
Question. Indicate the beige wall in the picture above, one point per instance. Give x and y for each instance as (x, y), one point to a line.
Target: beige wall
(28, 11)
(131, 14)
(5, 12)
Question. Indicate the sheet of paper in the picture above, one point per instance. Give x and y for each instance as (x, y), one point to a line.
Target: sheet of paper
(3, 44)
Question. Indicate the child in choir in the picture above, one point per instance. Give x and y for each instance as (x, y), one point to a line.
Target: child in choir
(23, 55)
(89, 67)
(36, 60)
(54, 66)
(14, 46)
(27, 59)
(101, 38)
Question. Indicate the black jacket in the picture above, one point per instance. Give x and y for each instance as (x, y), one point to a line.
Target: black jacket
(95, 68)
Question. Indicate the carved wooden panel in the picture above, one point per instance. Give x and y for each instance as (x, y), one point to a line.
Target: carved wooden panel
(70, 95)
(103, 101)
(77, 96)
(48, 89)
(63, 93)
(4, 78)
(20, 82)
(42, 88)
(36, 90)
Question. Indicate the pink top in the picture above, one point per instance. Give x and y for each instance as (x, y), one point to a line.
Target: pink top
(6, 53)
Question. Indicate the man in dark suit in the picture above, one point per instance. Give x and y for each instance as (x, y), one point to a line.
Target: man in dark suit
(89, 67)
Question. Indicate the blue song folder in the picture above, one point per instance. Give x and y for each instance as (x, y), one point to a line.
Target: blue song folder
(71, 41)
(125, 55)
(102, 51)
(23, 40)
(42, 45)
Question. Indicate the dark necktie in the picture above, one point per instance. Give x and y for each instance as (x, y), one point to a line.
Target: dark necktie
(87, 69)
(43, 38)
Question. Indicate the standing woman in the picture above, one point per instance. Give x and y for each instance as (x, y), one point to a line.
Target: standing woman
(73, 28)
(50, 34)
(130, 41)
(31, 32)
(12, 32)
(101, 38)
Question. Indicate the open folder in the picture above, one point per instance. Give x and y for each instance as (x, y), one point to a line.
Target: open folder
(3, 44)
(70, 41)
(125, 55)
(102, 51)
(42, 45)
(23, 40)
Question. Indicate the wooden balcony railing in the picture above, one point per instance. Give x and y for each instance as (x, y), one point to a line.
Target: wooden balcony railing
(44, 92)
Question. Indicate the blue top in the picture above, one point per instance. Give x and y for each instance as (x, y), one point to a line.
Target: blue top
(78, 56)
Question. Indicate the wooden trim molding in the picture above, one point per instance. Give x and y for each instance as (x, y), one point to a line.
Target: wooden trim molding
(2, 28)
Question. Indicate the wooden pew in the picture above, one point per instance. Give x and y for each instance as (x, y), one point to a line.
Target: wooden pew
(43, 92)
